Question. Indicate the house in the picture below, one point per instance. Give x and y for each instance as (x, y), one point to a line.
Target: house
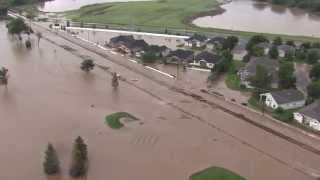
(197, 40)
(215, 42)
(206, 59)
(285, 49)
(137, 47)
(250, 70)
(128, 45)
(239, 51)
(159, 50)
(285, 99)
(180, 55)
(310, 115)
(3, 9)
(265, 46)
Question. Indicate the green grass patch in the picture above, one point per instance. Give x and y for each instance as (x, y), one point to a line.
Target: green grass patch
(284, 116)
(232, 79)
(216, 173)
(113, 120)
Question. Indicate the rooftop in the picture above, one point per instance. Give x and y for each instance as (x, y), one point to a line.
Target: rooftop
(312, 110)
(287, 96)
(207, 56)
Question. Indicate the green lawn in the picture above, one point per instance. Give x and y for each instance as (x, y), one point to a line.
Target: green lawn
(113, 120)
(232, 79)
(216, 173)
(172, 13)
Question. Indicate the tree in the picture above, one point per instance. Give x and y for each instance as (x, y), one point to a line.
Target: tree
(39, 36)
(254, 40)
(314, 90)
(87, 65)
(306, 45)
(315, 72)
(149, 57)
(4, 76)
(262, 79)
(17, 26)
(313, 56)
(225, 62)
(79, 158)
(286, 75)
(230, 42)
(51, 162)
(290, 43)
(273, 52)
(115, 82)
(277, 41)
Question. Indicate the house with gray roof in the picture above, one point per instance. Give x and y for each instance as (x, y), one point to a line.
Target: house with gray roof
(206, 59)
(285, 49)
(309, 116)
(265, 46)
(272, 66)
(285, 99)
(215, 42)
(197, 40)
(239, 51)
(180, 56)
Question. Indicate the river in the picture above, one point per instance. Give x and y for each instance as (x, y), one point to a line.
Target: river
(253, 16)
(67, 5)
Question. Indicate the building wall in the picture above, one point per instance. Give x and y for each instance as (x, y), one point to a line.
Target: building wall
(271, 102)
(308, 121)
(293, 105)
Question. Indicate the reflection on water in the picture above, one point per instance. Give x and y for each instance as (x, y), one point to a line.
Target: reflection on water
(66, 5)
(248, 15)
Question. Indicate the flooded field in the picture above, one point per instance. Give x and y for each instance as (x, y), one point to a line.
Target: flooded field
(255, 16)
(49, 99)
(67, 5)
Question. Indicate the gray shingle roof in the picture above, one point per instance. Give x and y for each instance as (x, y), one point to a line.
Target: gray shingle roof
(207, 56)
(312, 110)
(271, 65)
(287, 96)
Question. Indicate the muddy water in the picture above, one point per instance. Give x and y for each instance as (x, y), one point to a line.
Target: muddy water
(67, 5)
(253, 16)
(49, 100)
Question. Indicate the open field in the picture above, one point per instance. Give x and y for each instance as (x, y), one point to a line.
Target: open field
(49, 99)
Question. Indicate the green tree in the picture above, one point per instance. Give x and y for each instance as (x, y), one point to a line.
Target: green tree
(262, 79)
(314, 90)
(273, 52)
(149, 57)
(17, 26)
(286, 75)
(225, 62)
(230, 42)
(290, 43)
(4, 76)
(87, 65)
(313, 56)
(315, 72)
(277, 41)
(51, 162)
(254, 40)
(79, 158)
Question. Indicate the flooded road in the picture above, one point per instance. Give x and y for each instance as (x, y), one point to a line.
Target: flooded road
(49, 99)
(254, 16)
(67, 5)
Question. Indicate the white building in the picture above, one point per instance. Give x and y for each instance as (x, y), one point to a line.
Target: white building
(309, 116)
(285, 99)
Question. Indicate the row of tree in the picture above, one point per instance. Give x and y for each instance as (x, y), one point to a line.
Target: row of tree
(79, 161)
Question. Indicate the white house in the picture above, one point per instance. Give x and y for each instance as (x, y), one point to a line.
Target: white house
(239, 52)
(285, 99)
(265, 46)
(196, 40)
(309, 116)
(285, 49)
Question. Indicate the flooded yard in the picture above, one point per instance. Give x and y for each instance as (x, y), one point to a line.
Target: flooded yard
(49, 99)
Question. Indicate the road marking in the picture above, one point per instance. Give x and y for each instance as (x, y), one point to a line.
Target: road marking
(166, 74)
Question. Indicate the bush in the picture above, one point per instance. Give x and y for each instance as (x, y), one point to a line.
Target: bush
(87, 65)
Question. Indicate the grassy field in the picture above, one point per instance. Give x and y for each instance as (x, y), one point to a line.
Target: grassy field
(113, 120)
(172, 13)
(215, 173)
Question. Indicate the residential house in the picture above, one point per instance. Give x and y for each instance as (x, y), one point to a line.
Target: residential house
(239, 51)
(310, 115)
(215, 43)
(3, 9)
(137, 47)
(265, 46)
(159, 50)
(128, 45)
(250, 70)
(285, 99)
(180, 56)
(196, 40)
(206, 59)
(285, 49)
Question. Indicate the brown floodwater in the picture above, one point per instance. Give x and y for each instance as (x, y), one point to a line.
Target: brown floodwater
(254, 16)
(49, 99)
